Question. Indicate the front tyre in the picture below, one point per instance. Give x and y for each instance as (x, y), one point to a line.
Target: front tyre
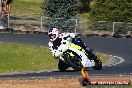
(98, 64)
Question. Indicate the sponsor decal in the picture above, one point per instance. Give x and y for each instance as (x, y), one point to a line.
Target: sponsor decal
(110, 82)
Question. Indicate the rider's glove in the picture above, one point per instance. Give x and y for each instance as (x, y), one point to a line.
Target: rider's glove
(56, 53)
(50, 45)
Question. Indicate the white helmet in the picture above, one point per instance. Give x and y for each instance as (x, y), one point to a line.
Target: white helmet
(53, 33)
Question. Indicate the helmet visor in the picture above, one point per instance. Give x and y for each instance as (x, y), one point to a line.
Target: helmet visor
(52, 36)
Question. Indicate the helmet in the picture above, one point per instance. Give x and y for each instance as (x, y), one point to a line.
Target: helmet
(53, 34)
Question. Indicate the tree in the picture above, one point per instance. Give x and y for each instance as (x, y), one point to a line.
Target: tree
(60, 8)
(85, 6)
(111, 10)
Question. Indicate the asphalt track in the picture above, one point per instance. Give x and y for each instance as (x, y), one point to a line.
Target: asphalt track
(121, 47)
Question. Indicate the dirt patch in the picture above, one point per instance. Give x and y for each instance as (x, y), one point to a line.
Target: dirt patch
(43, 83)
(55, 83)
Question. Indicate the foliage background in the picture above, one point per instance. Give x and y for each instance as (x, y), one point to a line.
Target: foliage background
(111, 10)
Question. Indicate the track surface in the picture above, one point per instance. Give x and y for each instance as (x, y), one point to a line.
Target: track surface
(113, 46)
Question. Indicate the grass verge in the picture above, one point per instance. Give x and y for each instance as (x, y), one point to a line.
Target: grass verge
(26, 7)
(22, 57)
(25, 57)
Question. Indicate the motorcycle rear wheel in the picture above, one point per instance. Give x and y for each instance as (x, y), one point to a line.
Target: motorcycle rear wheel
(62, 66)
(73, 61)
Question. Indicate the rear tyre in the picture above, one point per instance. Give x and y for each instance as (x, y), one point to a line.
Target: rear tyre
(73, 61)
(62, 66)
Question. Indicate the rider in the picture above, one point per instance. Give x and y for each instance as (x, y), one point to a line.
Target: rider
(59, 41)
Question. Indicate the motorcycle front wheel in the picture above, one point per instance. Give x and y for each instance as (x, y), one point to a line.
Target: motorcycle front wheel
(98, 63)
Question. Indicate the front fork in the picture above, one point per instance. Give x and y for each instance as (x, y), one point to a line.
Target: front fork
(90, 54)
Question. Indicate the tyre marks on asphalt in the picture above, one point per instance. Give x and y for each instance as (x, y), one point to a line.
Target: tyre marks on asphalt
(114, 60)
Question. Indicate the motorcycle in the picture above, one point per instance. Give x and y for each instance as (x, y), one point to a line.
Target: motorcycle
(72, 56)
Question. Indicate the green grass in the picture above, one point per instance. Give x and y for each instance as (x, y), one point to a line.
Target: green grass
(22, 57)
(26, 8)
(25, 57)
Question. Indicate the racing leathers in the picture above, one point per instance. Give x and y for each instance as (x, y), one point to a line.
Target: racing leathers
(60, 43)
